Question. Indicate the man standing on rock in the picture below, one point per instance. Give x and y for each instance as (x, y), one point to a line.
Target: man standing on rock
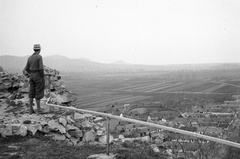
(35, 69)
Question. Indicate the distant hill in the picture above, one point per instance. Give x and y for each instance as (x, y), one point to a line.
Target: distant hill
(120, 62)
(15, 64)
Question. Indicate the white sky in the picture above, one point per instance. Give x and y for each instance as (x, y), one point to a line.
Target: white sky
(135, 31)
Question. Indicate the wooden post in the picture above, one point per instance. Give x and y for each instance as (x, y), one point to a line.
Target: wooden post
(49, 91)
(107, 136)
(49, 85)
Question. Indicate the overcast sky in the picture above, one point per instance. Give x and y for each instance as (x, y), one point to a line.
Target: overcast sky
(135, 31)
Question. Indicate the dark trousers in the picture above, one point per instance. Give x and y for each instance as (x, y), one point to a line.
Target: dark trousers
(37, 84)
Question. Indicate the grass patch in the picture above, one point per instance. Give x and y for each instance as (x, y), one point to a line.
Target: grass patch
(42, 147)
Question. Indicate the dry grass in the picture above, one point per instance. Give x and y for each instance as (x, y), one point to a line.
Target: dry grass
(41, 147)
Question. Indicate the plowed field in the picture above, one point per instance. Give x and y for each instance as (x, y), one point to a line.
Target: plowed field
(97, 93)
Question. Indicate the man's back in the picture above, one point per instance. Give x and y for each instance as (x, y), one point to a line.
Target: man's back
(34, 63)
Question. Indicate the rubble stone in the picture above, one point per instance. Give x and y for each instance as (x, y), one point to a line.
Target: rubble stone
(90, 136)
(102, 156)
(97, 119)
(7, 131)
(63, 121)
(71, 127)
(61, 129)
(59, 137)
(15, 127)
(43, 123)
(61, 98)
(68, 135)
(22, 131)
(74, 140)
(103, 139)
(121, 136)
(20, 83)
(88, 115)
(45, 130)
(33, 128)
(48, 115)
(155, 148)
(87, 124)
(127, 139)
(78, 116)
(70, 120)
(100, 132)
(76, 133)
(53, 125)
(146, 139)
(81, 143)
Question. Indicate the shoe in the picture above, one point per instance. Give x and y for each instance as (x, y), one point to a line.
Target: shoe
(39, 111)
(31, 112)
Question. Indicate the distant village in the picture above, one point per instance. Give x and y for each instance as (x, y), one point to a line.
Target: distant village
(211, 119)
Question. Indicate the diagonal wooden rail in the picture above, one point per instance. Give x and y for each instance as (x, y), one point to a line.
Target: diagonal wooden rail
(222, 141)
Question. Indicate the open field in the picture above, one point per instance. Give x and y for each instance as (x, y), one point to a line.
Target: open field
(104, 100)
(96, 92)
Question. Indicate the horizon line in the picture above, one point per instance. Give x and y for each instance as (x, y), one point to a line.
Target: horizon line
(127, 63)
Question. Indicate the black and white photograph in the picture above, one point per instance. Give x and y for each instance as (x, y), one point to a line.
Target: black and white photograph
(116, 79)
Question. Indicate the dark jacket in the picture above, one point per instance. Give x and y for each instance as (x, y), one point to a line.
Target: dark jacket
(34, 64)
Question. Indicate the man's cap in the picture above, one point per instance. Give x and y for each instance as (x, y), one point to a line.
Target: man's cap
(36, 46)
